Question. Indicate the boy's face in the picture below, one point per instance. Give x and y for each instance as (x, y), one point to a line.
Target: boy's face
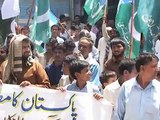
(110, 80)
(85, 74)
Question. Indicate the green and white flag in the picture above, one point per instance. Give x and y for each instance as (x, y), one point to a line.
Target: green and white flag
(40, 29)
(149, 21)
(95, 10)
(10, 9)
(146, 21)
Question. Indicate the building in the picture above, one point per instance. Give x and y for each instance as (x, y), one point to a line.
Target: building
(58, 7)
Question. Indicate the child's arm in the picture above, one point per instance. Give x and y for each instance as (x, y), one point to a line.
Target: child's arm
(98, 96)
(62, 89)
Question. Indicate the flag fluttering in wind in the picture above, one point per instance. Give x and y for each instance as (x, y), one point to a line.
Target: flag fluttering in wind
(40, 28)
(52, 19)
(149, 21)
(146, 21)
(95, 10)
(10, 8)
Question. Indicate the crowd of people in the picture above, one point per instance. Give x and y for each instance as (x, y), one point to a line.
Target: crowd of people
(73, 61)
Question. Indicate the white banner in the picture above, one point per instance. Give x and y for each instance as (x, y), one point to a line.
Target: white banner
(32, 103)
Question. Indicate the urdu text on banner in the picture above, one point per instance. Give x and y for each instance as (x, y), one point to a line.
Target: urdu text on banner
(33, 103)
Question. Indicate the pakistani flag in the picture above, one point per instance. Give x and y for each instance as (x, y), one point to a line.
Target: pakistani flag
(146, 21)
(9, 10)
(40, 29)
(95, 10)
(149, 21)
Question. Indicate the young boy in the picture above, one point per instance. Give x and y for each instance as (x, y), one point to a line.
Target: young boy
(80, 71)
(107, 77)
(66, 77)
(54, 70)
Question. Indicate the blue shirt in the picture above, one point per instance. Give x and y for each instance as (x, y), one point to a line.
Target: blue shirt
(136, 103)
(54, 73)
(89, 88)
(95, 70)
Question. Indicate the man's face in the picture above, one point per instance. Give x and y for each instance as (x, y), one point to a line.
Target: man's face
(150, 70)
(58, 55)
(55, 31)
(84, 47)
(112, 33)
(77, 19)
(26, 49)
(26, 32)
(117, 50)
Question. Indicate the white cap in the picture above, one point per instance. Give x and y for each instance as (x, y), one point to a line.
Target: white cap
(109, 28)
(66, 15)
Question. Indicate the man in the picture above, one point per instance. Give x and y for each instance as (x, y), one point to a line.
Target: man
(54, 70)
(46, 58)
(77, 21)
(85, 47)
(55, 29)
(127, 71)
(139, 98)
(105, 52)
(118, 49)
(95, 52)
(20, 68)
(25, 31)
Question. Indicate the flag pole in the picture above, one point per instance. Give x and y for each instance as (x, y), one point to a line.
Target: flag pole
(30, 13)
(18, 25)
(105, 11)
(131, 35)
(65, 30)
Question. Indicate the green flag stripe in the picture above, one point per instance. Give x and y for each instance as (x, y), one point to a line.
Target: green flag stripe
(42, 6)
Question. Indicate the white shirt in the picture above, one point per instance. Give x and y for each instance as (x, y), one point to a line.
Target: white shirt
(95, 71)
(93, 36)
(64, 81)
(111, 92)
(101, 47)
(59, 40)
(65, 35)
